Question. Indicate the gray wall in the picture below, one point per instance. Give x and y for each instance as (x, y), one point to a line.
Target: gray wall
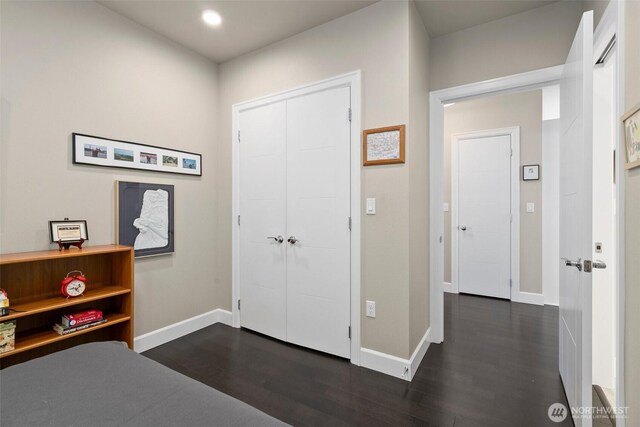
(78, 67)
(517, 109)
(374, 40)
(527, 41)
(632, 225)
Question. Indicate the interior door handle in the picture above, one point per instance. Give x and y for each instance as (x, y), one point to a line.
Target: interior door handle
(570, 263)
(278, 238)
(463, 227)
(292, 240)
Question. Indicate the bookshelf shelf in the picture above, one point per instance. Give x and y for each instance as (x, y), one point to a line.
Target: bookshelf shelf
(32, 281)
(43, 337)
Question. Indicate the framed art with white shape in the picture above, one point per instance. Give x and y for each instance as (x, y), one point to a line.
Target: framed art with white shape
(530, 172)
(68, 230)
(144, 217)
(97, 151)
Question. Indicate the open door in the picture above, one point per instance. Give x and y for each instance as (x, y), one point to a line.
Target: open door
(576, 219)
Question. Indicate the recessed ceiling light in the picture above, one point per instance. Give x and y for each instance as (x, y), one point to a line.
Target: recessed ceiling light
(211, 17)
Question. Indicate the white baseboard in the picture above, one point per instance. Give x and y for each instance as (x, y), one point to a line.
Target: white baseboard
(169, 333)
(420, 351)
(448, 287)
(528, 298)
(393, 365)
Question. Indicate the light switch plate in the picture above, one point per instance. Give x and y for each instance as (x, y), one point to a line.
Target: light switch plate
(531, 207)
(445, 207)
(371, 206)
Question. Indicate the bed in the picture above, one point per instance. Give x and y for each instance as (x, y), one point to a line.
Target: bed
(106, 384)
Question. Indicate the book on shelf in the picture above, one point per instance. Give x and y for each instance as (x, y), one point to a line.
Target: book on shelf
(64, 331)
(81, 318)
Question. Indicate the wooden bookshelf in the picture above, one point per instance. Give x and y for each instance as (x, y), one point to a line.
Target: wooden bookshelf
(32, 281)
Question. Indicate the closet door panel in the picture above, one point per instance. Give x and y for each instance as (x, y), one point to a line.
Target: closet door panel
(318, 210)
(263, 215)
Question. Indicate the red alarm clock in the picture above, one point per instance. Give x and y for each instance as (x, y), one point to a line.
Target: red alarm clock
(73, 285)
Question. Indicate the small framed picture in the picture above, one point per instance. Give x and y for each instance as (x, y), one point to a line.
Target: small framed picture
(631, 120)
(383, 146)
(68, 230)
(530, 172)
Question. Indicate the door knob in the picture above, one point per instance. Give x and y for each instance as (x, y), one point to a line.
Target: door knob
(277, 238)
(292, 240)
(590, 265)
(570, 263)
(463, 227)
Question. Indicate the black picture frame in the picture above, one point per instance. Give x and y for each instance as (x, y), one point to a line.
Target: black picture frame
(129, 203)
(84, 228)
(107, 150)
(531, 172)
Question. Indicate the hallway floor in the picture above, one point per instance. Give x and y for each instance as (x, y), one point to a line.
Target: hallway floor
(498, 366)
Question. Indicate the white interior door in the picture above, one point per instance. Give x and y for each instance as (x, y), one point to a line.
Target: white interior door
(484, 216)
(318, 210)
(604, 220)
(576, 182)
(262, 271)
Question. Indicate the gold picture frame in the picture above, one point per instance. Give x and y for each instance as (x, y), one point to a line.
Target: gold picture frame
(631, 122)
(383, 146)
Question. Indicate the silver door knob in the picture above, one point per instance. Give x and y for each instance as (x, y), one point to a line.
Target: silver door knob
(598, 264)
(463, 227)
(570, 263)
(277, 238)
(292, 240)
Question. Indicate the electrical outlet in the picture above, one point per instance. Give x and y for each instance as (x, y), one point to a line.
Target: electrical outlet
(371, 309)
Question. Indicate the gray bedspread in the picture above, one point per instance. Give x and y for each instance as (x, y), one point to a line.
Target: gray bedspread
(106, 384)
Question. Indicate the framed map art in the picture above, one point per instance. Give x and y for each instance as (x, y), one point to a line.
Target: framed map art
(383, 146)
(144, 217)
(631, 122)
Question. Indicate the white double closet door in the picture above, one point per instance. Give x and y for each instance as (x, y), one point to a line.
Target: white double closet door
(294, 250)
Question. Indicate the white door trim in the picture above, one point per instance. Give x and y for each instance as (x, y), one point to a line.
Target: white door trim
(514, 83)
(612, 23)
(620, 227)
(352, 80)
(514, 134)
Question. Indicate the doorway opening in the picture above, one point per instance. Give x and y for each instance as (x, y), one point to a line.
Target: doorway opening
(581, 384)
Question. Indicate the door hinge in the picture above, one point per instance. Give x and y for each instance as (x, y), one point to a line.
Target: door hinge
(238, 220)
(511, 283)
(238, 136)
(349, 332)
(511, 155)
(349, 114)
(511, 219)
(349, 223)
(238, 304)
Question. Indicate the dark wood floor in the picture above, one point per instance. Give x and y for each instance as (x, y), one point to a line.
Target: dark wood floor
(496, 367)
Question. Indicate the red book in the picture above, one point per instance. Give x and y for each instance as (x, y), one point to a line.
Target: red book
(77, 319)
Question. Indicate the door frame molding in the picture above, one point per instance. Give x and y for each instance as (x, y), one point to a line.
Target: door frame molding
(612, 24)
(437, 99)
(514, 133)
(353, 81)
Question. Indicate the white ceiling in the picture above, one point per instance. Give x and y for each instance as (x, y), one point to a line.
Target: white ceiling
(448, 16)
(247, 24)
(251, 24)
